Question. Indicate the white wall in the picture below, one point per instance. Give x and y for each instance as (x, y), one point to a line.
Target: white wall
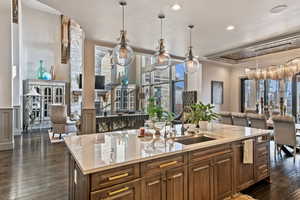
(194, 81)
(5, 55)
(42, 41)
(216, 72)
(201, 81)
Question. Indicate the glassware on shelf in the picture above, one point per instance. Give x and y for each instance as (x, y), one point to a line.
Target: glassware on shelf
(41, 70)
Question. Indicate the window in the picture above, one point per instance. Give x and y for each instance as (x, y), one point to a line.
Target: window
(166, 86)
(248, 91)
(269, 90)
(273, 93)
(178, 89)
(260, 92)
(288, 96)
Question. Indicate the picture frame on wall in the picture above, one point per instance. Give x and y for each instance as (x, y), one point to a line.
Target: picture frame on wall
(217, 92)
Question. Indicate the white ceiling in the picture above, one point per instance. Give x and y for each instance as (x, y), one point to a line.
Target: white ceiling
(101, 20)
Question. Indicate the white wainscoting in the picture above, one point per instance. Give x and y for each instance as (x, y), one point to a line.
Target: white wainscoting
(6, 129)
(17, 120)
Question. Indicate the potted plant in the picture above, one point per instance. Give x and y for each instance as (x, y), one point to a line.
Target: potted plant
(201, 115)
(159, 118)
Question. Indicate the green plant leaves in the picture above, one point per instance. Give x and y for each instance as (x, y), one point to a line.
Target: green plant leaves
(201, 112)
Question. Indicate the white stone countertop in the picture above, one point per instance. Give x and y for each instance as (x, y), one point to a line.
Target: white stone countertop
(98, 152)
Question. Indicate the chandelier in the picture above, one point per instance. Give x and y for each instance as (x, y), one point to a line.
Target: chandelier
(274, 72)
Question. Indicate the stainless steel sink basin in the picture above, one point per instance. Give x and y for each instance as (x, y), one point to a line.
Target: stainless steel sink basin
(193, 140)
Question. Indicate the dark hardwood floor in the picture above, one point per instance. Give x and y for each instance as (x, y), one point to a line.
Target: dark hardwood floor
(34, 170)
(37, 170)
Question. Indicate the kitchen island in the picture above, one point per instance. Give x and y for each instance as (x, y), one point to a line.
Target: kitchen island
(120, 165)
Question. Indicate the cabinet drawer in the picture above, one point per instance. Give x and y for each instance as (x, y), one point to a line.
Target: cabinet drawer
(262, 171)
(262, 160)
(161, 164)
(204, 154)
(114, 176)
(130, 190)
(262, 150)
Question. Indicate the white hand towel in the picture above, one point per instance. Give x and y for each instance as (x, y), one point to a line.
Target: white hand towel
(248, 152)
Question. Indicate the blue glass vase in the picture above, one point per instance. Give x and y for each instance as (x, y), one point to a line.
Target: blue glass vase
(41, 70)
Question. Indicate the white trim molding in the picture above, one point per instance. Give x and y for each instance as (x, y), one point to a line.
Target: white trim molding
(6, 129)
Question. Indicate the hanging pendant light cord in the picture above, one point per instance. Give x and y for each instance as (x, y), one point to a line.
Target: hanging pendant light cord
(161, 28)
(123, 18)
(190, 37)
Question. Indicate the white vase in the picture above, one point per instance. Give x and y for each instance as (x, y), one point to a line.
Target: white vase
(203, 125)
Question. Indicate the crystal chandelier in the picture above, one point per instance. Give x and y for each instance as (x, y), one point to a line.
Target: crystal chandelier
(122, 54)
(161, 59)
(280, 72)
(191, 62)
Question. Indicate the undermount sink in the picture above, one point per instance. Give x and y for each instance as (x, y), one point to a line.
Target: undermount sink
(193, 140)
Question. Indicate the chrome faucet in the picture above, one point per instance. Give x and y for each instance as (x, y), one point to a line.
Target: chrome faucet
(182, 126)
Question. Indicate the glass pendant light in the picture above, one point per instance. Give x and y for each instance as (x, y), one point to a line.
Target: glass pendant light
(123, 54)
(191, 62)
(161, 59)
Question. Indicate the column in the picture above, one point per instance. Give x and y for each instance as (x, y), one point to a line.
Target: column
(6, 110)
(17, 72)
(88, 111)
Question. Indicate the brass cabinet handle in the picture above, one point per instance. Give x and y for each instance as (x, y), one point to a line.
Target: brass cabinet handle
(177, 175)
(117, 177)
(168, 164)
(200, 168)
(153, 183)
(118, 191)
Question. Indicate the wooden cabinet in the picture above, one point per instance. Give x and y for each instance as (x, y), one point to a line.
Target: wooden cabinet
(52, 92)
(171, 185)
(213, 173)
(211, 178)
(223, 176)
(126, 191)
(244, 173)
(201, 181)
(114, 176)
(176, 184)
(262, 159)
(152, 188)
(166, 179)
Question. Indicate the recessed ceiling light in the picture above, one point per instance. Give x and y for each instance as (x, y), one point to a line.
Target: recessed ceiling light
(176, 7)
(278, 9)
(230, 28)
